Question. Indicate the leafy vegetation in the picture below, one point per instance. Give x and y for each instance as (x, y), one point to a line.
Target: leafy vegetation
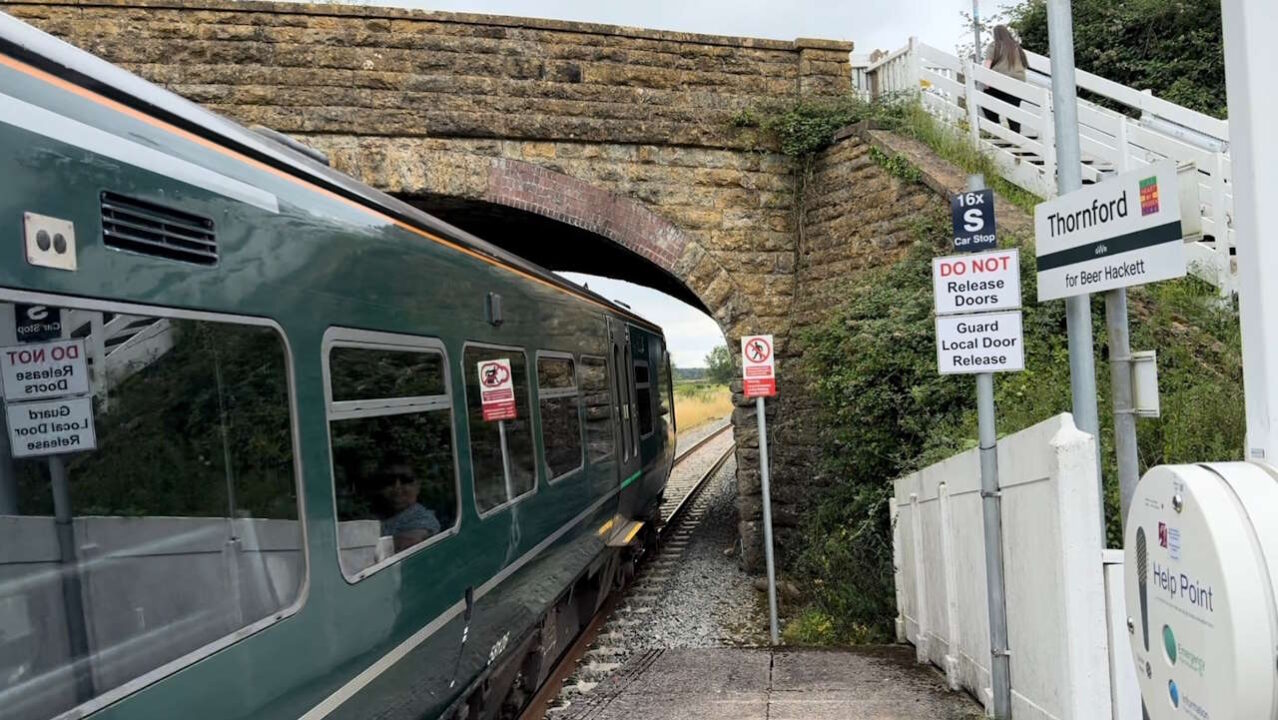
(719, 367)
(873, 361)
(1175, 49)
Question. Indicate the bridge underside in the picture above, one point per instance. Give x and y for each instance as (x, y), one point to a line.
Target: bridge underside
(553, 244)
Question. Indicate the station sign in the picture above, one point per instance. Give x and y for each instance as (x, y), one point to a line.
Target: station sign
(497, 390)
(1121, 232)
(758, 366)
(972, 213)
(971, 283)
(47, 370)
(37, 323)
(980, 343)
(51, 427)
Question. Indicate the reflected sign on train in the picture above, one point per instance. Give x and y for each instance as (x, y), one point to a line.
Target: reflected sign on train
(49, 370)
(37, 323)
(497, 390)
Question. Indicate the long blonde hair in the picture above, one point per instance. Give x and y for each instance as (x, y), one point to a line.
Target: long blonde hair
(1005, 47)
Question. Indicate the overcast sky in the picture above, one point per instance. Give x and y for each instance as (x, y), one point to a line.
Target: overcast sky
(869, 24)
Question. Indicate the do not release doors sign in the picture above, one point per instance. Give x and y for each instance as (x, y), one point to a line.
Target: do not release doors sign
(1121, 232)
(758, 366)
(972, 283)
(497, 390)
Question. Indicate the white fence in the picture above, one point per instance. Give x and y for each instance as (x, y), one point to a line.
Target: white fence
(1145, 131)
(1065, 662)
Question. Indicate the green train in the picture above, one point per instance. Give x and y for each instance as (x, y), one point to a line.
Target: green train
(277, 445)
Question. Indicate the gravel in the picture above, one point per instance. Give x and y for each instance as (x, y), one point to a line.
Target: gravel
(690, 593)
(704, 600)
(688, 438)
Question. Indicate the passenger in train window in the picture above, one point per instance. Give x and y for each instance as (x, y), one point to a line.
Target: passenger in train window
(406, 520)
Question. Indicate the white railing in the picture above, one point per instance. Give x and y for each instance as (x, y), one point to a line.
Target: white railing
(1018, 135)
(1068, 660)
(118, 347)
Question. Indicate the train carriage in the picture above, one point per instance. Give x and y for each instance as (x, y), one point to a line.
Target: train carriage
(249, 469)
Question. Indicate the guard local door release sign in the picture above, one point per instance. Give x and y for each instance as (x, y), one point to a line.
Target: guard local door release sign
(983, 343)
(758, 366)
(51, 427)
(1120, 232)
(47, 401)
(497, 390)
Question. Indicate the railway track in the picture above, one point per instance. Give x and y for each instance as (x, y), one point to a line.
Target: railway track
(598, 651)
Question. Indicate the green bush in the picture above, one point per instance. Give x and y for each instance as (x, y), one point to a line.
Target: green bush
(889, 412)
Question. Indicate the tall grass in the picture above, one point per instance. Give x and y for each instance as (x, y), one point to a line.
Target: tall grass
(699, 403)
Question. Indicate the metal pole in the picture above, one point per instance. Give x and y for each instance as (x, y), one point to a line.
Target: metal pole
(976, 31)
(1069, 177)
(72, 599)
(991, 511)
(1001, 672)
(1250, 54)
(767, 518)
(1120, 383)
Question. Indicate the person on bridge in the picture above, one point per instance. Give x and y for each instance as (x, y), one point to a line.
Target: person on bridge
(1006, 57)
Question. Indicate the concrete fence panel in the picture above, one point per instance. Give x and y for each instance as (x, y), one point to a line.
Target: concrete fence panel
(1056, 596)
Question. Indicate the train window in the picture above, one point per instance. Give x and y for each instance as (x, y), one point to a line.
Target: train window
(494, 486)
(560, 414)
(391, 436)
(150, 495)
(664, 392)
(623, 402)
(643, 388)
(360, 373)
(598, 407)
(632, 427)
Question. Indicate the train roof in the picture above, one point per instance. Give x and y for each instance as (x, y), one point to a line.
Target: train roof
(55, 56)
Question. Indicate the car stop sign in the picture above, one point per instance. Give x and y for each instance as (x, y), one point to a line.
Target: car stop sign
(758, 366)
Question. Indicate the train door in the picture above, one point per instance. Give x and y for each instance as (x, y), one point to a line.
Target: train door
(628, 462)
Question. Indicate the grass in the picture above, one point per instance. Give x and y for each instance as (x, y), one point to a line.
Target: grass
(699, 403)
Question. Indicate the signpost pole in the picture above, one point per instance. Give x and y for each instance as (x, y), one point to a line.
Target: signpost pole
(1069, 177)
(767, 518)
(759, 381)
(72, 598)
(1000, 674)
(1120, 383)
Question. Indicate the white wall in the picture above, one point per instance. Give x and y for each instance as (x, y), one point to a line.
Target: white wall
(1058, 628)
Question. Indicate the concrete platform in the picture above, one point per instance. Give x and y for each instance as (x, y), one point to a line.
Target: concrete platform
(882, 683)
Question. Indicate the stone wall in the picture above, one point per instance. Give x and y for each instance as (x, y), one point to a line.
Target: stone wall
(855, 216)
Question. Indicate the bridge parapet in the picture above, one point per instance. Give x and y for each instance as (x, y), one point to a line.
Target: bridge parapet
(358, 70)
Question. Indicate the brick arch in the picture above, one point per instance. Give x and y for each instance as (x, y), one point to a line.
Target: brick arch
(535, 189)
(626, 221)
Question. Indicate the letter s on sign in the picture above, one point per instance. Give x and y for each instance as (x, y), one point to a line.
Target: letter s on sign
(973, 220)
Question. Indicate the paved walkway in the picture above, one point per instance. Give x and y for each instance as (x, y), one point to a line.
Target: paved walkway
(881, 683)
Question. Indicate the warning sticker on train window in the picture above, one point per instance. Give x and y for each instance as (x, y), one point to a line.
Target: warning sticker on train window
(497, 390)
(49, 370)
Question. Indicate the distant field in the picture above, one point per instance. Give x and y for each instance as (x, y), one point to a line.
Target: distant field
(700, 403)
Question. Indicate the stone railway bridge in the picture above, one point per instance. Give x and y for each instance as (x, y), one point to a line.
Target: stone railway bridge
(590, 148)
